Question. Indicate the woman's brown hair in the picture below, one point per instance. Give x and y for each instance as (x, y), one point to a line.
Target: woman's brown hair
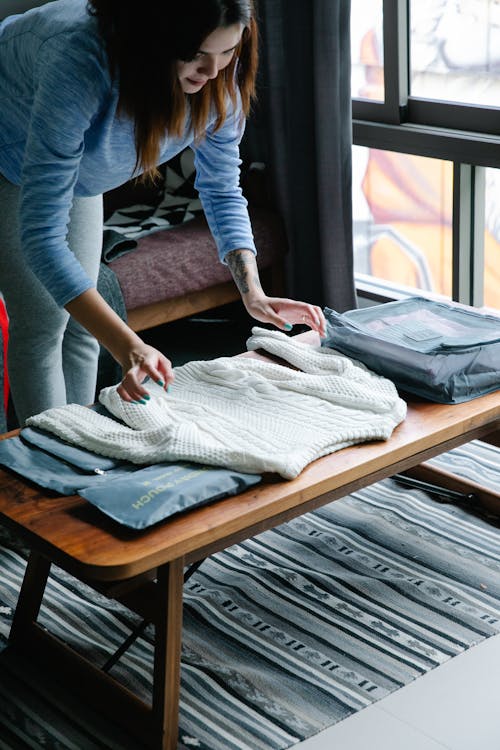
(144, 42)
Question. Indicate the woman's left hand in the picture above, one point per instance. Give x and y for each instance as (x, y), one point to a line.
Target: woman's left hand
(284, 313)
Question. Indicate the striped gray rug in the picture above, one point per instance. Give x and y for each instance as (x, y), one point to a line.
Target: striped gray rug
(287, 633)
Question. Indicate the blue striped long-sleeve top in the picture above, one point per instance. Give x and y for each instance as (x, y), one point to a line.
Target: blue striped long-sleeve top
(60, 136)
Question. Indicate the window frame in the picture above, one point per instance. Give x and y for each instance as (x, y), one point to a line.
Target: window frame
(437, 129)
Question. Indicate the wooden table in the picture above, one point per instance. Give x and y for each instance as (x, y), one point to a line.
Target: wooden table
(145, 570)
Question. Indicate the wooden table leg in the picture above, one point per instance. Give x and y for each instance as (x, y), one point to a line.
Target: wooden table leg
(162, 724)
(30, 596)
(167, 662)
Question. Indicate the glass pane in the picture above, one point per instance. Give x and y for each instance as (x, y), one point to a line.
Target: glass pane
(455, 50)
(492, 240)
(367, 51)
(402, 219)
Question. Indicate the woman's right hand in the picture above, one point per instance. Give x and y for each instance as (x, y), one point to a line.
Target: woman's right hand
(137, 359)
(141, 362)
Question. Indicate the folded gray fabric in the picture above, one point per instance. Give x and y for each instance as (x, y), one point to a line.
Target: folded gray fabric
(72, 454)
(52, 472)
(115, 244)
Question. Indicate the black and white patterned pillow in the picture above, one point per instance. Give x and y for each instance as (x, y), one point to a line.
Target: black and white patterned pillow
(175, 202)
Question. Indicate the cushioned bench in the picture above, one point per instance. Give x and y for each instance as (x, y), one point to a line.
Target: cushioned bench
(176, 272)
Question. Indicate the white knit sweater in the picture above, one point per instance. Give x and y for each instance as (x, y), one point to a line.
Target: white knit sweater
(242, 413)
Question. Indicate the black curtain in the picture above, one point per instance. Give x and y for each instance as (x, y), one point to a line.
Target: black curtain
(303, 131)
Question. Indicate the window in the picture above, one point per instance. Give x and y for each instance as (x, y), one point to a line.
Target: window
(455, 51)
(426, 129)
(367, 50)
(402, 219)
(492, 239)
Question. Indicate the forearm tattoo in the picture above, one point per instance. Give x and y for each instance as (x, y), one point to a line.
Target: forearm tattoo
(244, 270)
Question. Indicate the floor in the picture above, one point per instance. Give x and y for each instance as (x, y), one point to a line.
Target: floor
(454, 707)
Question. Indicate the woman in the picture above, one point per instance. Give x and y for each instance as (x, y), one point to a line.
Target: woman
(92, 93)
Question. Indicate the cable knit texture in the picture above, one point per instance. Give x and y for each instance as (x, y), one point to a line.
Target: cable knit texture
(242, 413)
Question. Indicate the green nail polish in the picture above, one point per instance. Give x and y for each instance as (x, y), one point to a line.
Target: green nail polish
(147, 396)
(288, 326)
(160, 383)
(168, 389)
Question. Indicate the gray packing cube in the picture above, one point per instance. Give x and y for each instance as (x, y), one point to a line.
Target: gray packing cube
(440, 351)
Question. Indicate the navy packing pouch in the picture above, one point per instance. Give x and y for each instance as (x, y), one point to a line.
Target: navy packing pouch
(157, 492)
(134, 496)
(440, 351)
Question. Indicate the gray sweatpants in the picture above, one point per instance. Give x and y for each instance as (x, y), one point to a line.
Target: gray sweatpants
(52, 360)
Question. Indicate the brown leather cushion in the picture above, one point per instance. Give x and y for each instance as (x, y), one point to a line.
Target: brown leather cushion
(184, 259)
